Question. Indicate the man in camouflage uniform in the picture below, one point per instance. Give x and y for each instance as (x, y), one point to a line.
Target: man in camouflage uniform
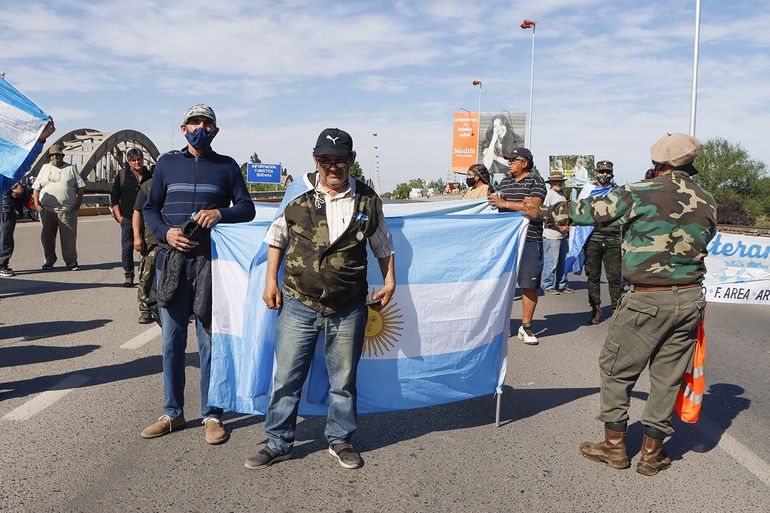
(669, 221)
(146, 245)
(603, 246)
(321, 236)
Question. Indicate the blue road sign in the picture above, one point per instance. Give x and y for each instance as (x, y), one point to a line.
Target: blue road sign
(263, 173)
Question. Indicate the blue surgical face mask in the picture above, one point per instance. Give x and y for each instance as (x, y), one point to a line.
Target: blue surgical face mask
(200, 138)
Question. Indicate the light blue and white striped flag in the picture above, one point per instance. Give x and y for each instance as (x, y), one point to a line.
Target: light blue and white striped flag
(21, 123)
(443, 337)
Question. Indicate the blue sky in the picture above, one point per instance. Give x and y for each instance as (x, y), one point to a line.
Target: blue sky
(611, 76)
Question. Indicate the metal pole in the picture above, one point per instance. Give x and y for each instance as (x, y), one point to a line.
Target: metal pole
(478, 120)
(499, 397)
(694, 96)
(531, 89)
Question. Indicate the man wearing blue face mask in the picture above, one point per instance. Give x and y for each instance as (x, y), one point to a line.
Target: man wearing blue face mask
(192, 190)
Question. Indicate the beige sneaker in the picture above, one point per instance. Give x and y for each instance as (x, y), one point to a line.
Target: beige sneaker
(214, 431)
(164, 426)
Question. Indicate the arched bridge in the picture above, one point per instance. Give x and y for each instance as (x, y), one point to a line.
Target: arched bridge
(99, 155)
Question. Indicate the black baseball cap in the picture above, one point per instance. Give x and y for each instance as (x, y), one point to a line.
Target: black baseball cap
(333, 141)
(518, 152)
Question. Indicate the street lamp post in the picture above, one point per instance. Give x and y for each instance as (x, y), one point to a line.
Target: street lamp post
(372, 147)
(530, 24)
(694, 95)
(478, 120)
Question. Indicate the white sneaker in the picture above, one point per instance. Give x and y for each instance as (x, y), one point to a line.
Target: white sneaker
(526, 335)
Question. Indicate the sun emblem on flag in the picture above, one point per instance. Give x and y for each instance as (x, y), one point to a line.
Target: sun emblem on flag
(383, 329)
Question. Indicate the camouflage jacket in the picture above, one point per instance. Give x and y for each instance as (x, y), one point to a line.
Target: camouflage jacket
(328, 277)
(667, 223)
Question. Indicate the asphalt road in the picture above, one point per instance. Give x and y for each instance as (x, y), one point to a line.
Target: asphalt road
(73, 401)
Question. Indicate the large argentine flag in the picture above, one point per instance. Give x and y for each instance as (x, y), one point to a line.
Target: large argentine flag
(443, 337)
(21, 123)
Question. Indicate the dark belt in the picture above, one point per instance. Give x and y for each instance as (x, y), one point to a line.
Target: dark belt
(653, 288)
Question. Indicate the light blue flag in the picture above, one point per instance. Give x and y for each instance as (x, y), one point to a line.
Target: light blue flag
(21, 123)
(579, 235)
(443, 337)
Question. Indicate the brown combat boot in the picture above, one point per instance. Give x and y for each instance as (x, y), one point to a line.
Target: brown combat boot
(611, 451)
(596, 315)
(652, 459)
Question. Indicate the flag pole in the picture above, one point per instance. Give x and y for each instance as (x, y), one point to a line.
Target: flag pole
(694, 95)
(499, 396)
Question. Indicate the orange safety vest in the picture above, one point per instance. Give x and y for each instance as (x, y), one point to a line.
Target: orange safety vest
(690, 396)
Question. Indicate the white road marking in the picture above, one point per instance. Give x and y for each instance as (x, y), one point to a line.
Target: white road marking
(736, 450)
(141, 339)
(46, 399)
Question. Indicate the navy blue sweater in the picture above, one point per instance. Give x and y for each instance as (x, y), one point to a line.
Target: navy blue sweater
(184, 184)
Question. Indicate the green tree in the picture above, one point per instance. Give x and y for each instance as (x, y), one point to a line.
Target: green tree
(402, 191)
(436, 184)
(736, 180)
(416, 183)
(356, 171)
(725, 166)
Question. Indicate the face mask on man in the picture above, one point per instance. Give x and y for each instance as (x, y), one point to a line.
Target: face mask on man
(470, 181)
(603, 179)
(200, 138)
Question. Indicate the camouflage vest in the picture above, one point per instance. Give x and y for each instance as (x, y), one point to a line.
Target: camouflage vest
(328, 277)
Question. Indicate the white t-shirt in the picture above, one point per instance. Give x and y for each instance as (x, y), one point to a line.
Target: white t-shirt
(551, 198)
(58, 187)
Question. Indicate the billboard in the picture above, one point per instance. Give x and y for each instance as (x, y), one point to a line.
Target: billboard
(485, 139)
(465, 137)
(263, 173)
(500, 133)
(577, 169)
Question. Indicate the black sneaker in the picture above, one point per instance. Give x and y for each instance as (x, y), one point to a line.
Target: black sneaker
(146, 318)
(7, 272)
(47, 266)
(73, 267)
(264, 458)
(346, 455)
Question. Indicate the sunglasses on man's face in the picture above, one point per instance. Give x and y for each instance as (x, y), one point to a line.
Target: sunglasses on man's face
(339, 164)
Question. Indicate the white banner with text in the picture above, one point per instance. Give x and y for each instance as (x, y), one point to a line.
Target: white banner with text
(738, 269)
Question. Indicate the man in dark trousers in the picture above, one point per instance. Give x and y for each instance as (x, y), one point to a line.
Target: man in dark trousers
(522, 183)
(122, 199)
(669, 220)
(603, 247)
(191, 191)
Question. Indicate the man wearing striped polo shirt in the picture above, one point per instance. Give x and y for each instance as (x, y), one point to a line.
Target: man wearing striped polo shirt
(520, 184)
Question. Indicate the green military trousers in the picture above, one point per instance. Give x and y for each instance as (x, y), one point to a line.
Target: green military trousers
(607, 251)
(658, 328)
(146, 276)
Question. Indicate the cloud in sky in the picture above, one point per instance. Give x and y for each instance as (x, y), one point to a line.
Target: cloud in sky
(611, 76)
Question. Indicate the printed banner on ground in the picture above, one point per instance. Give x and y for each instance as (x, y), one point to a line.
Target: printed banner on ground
(738, 269)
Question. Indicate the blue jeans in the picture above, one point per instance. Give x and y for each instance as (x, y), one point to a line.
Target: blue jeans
(554, 254)
(174, 321)
(297, 331)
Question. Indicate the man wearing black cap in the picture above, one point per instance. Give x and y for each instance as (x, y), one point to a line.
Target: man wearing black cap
(520, 184)
(321, 238)
(603, 246)
(192, 190)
